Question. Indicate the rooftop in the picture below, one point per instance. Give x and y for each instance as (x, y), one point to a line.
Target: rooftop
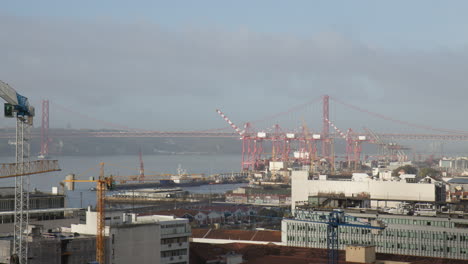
(273, 254)
(247, 235)
(9, 192)
(458, 180)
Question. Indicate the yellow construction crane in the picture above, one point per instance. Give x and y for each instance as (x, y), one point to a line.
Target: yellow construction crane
(102, 184)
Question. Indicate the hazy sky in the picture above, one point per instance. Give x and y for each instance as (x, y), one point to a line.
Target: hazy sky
(167, 65)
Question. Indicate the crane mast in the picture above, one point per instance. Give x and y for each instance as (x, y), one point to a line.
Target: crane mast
(141, 176)
(101, 188)
(21, 219)
(102, 183)
(18, 105)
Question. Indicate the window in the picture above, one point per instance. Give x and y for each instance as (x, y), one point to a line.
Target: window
(174, 253)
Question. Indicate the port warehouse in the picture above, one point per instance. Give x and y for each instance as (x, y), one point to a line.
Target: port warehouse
(405, 235)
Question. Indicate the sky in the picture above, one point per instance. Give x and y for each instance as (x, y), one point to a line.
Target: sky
(167, 65)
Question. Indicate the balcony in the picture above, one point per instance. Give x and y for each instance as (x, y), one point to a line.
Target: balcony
(174, 259)
(173, 246)
(175, 234)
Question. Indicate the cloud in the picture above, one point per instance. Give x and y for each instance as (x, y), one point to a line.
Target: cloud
(130, 73)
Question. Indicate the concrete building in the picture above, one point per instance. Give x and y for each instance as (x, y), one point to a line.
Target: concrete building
(39, 202)
(457, 189)
(129, 239)
(141, 239)
(360, 253)
(53, 248)
(403, 235)
(257, 195)
(456, 164)
(381, 193)
(150, 239)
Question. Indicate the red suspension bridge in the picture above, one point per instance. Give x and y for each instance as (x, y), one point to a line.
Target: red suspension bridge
(283, 142)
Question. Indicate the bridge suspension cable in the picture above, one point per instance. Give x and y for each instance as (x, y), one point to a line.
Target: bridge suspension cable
(381, 116)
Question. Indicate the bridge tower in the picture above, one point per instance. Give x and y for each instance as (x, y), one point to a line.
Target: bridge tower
(326, 128)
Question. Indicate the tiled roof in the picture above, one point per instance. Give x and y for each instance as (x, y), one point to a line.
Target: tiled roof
(176, 212)
(206, 210)
(273, 254)
(250, 235)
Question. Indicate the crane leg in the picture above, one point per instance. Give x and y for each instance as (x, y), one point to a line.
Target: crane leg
(332, 244)
(21, 191)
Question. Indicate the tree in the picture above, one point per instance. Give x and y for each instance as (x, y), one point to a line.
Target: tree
(429, 172)
(408, 169)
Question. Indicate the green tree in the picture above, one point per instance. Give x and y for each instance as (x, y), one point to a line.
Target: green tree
(267, 213)
(408, 169)
(429, 172)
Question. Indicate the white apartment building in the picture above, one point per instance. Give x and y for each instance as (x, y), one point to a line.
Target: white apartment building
(381, 193)
(403, 235)
(141, 239)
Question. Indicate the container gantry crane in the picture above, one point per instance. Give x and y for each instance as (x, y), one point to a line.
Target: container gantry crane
(102, 184)
(18, 106)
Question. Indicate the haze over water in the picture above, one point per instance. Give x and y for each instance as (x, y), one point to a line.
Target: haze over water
(87, 166)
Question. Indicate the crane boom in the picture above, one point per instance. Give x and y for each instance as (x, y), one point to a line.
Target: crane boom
(236, 128)
(19, 103)
(10, 170)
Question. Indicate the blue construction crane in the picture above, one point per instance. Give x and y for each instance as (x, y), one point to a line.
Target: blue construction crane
(18, 106)
(337, 218)
(15, 102)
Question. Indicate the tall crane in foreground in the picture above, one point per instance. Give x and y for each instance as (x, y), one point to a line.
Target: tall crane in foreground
(18, 106)
(102, 184)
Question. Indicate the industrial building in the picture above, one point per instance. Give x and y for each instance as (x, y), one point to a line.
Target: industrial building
(258, 195)
(380, 193)
(457, 164)
(39, 203)
(403, 235)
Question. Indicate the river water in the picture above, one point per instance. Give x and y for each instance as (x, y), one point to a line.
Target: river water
(86, 166)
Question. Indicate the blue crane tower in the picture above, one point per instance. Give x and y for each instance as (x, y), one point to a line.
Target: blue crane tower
(18, 106)
(334, 220)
